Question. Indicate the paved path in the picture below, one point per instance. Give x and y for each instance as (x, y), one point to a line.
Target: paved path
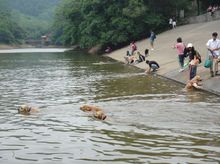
(166, 56)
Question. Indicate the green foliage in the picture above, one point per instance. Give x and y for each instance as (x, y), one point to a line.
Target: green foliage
(34, 8)
(30, 17)
(88, 23)
(10, 31)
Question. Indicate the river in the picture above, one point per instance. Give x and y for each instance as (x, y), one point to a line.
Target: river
(149, 118)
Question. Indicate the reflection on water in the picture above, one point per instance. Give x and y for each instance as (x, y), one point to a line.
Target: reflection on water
(150, 119)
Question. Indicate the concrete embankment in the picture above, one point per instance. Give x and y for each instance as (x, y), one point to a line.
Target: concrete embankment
(166, 56)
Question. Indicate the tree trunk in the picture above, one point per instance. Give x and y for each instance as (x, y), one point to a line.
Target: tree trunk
(198, 7)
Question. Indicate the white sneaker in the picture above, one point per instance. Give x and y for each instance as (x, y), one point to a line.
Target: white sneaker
(152, 49)
(181, 70)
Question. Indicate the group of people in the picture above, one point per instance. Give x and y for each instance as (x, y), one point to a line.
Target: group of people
(211, 9)
(185, 52)
(194, 58)
(172, 23)
(135, 57)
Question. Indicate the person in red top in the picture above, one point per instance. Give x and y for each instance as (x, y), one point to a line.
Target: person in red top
(133, 47)
(180, 50)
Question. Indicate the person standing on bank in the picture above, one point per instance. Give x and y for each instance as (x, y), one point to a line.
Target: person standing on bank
(152, 38)
(194, 59)
(180, 50)
(193, 66)
(213, 46)
(170, 23)
(190, 51)
(174, 23)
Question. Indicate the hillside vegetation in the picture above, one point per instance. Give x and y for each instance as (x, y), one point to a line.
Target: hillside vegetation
(88, 23)
(25, 19)
(117, 22)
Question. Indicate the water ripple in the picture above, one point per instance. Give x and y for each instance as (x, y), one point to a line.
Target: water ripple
(149, 119)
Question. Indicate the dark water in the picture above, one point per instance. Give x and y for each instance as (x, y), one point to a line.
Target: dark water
(150, 120)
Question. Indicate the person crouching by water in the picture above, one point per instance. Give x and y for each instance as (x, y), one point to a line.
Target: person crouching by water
(153, 65)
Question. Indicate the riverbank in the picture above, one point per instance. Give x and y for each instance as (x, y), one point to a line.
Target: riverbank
(29, 48)
(8, 46)
(34, 50)
(166, 56)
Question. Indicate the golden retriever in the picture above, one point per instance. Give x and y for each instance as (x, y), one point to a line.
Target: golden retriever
(194, 83)
(97, 112)
(25, 109)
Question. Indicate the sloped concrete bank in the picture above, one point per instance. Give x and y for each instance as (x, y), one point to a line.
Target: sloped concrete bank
(166, 56)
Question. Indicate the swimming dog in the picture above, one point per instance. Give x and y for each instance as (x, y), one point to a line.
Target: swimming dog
(25, 109)
(194, 83)
(97, 112)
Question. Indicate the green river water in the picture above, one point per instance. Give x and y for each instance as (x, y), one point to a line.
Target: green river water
(149, 118)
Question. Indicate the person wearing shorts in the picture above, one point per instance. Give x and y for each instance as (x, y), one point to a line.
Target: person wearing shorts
(153, 65)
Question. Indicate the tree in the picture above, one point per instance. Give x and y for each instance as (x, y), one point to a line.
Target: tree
(104, 22)
(10, 32)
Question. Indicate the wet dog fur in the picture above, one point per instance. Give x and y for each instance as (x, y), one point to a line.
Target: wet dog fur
(25, 109)
(97, 112)
(193, 84)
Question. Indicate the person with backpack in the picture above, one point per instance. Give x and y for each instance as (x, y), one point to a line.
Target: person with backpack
(190, 52)
(152, 38)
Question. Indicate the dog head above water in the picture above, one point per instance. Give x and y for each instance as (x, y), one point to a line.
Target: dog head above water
(99, 115)
(197, 78)
(194, 83)
(86, 108)
(97, 111)
(25, 109)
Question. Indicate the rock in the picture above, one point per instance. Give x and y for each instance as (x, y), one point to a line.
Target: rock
(95, 50)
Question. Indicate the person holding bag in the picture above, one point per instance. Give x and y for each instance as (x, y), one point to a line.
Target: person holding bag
(213, 46)
(208, 62)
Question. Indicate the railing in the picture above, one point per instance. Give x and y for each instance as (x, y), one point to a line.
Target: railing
(205, 17)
